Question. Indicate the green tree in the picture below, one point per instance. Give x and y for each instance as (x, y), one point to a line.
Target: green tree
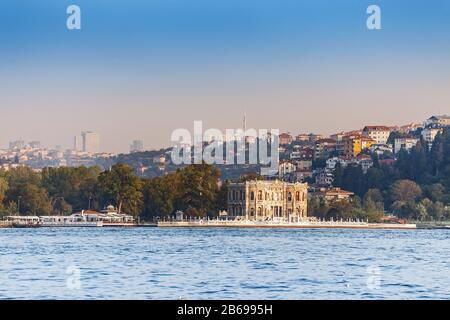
(405, 191)
(434, 191)
(338, 175)
(3, 188)
(26, 192)
(123, 187)
(199, 185)
(159, 195)
(34, 201)
(77, 186)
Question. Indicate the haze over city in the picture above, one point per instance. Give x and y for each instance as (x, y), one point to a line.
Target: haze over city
(139, 70)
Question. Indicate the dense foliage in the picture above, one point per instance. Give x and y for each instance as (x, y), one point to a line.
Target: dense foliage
(62, 191)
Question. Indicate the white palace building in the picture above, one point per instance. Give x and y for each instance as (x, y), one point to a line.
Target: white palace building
(263, 200)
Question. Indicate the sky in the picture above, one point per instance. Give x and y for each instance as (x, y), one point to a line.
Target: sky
(139, 69)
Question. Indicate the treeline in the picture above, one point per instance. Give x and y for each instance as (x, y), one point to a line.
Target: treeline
(62, 191)
(416, 187)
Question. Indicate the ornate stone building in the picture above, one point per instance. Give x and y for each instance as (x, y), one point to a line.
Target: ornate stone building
(264, 200)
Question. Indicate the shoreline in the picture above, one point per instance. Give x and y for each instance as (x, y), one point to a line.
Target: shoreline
(300, 225)
(243, 224)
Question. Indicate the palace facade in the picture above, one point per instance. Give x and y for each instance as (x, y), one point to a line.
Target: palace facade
(266, 200)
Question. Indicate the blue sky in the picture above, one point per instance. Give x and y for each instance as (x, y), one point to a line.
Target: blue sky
(151, 66)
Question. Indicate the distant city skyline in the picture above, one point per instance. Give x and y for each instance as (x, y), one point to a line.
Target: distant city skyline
(300, 66)
(89, 141)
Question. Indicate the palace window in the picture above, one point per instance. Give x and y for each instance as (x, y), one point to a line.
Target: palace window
(289, 196)
(252, 195)
(260, 196)
(297, 196)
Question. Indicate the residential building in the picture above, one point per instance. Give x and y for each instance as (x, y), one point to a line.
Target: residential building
(161, 159)
(266, 200)
(378, 133)
(302, 137)
(324, 148)
(314, 137)
(404, 143)
(324, 178)
(344, 161)
(381, 149)
(303, 164)
(285, 167)
(300, 175)
(302, 153)
(365, 162)
(285, 138)
(428, 135)
(332, 194)
(438, 121)
(353, 145)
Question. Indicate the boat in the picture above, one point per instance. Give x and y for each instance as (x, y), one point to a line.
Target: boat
(23, 221)
(74, 220)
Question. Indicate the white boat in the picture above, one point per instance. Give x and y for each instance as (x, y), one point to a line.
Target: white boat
(23, 221)
(74, 220)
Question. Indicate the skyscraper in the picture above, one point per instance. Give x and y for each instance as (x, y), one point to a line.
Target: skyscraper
(77, 143)
(137, 146)
(91, 141)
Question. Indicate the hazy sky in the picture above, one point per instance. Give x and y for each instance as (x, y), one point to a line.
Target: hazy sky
(138, 69)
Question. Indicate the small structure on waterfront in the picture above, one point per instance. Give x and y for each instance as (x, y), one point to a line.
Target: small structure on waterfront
(179, 215)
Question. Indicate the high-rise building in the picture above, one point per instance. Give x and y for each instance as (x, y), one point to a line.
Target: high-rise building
(137, 146)
(91, 142)
(77, 143)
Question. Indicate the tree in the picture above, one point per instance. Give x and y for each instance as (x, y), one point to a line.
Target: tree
(60, 206)
(337, 175)
(159, 195)
(434, 191)
(222, 197)
(374, 195)
(199, 185)
(26, 192)
(34, 201)
(353, 179)
(123, 187)
(437, 153)
(77, 186)
(3, 188)
(405, 191)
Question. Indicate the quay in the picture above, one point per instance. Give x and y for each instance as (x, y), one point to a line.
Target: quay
(275, 224)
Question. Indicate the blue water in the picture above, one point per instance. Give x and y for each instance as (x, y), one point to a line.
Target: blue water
(156, 263)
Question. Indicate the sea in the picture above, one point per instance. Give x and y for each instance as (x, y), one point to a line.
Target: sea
(216, 263)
